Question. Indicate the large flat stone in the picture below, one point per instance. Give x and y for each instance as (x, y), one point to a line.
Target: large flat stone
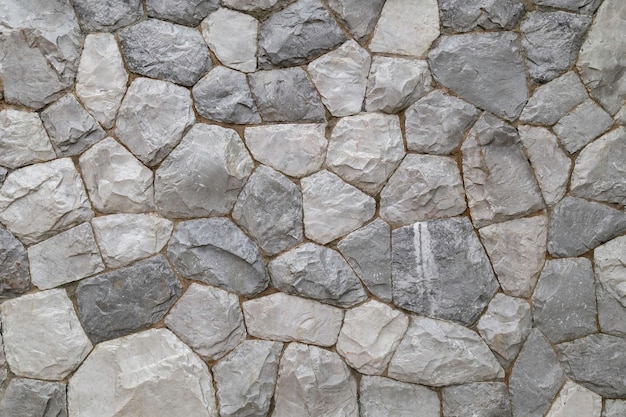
(576, 401)
(184, 12)
(107, 16)
(580, 6)
(382, 397)
(585, 123)
(14, 266)
(468, 15)
(24, 139)
(32, 398)
(478, 399)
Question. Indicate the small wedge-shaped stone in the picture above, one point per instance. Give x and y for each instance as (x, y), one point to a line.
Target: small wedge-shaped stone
(610, 268)
(383, 397)
(204, 174)
(232, 36)
(478, 399)
(580, 6)
(468, 15)
(23, 139)
(42, 336)
(151, 373)
(585, 123)
(117, 303)
(315, 382)
(358, 16)
(52, 194)
(207, 319)
(14, 267)
(216, 252)
(107, 16)
(438, 353)
(32, 398)
(184, 12)
(317, 272)
(611, 312)
(576, 401)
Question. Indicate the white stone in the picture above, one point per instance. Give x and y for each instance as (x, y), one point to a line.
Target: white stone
(23, 139)
(576, 401)
(610, 262)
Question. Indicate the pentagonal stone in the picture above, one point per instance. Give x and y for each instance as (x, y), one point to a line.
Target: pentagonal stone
(216, 252)
(269, 208)
(614, 408)
(479, 399)
(151, 373)
(209, 320)
(576, 401)
(117, 303)
(317, 272)
(341, 77)
(52, 194)
(286, 95)
(232, 36)
(465, 16)
(314, 381)
(437, 123)
(365, 149)
(66, 257)
(423, 187)
(611, 313)
(125, 238)
(437, 353)
(610, 264)
(107, 16)
(224, 95)
(492, 74)
(23, 140)
(42, 335)
(580, 6)
(287, 318)
(499, 181)
(204, 174)
(585, 123)
(440, 269)
(333, 208)
(14, 267)
(359, 17)
(116, 180)
(299, 32)
(152, 118)
(382, 397)
(158, 49)
(184, 12)
(246, 378)
(32, 398)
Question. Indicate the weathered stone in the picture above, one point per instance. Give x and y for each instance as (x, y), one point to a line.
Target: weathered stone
(101, 79)
(14, 267)
(117, 303)
(71, 128)
(115, 180)
(3, 175)
(341, 78)
(184, 12)
(246, 377)
(620, 117)
(465, 16)
(499, 182)
(125, 238)
(437, 353)
(437, 123)
(610, 268)
(581, 126)
(209, 320)
(4, 370)
(296, 150)
(286, 95)
(224, 95)
(42, 335)
(486, 69)
(396, 83)
(359, 17)
(382, 397)
(163, 50)
(580, 6)
(317, 272)
(269, 208)
(252, 5)
(52, 194)
(479, 399)
(424, 187)
(365, 149)
(614, 408)
(576, 401)
(151, 373)
(611, 313)
(23, 139)
(406, 27)
(313, 381)
(32, 398)
(107, 16)
(333, 208)
(204, 174)
(216, 252)
(440, 269)
(232, 36)
(287, 318)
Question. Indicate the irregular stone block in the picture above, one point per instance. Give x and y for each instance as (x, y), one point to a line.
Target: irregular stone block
(576, 401)
(610, 268)
(580, 6)
(232, 36)
(479, 399)
(24, 140)
(382, 397)
(184, 12)
(107, 16)
(14, 267)
(585, 123)
(611, 313)
(359, 17)
(465, 16)
(252, 6)
(614, 408)
(32, 398)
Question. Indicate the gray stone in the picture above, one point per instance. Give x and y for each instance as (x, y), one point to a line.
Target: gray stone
(614, 408)
(216, 252)
(315, 382)
(610, 263)
(611, 313)
(151, 373)
(333, 208)
(465, 16)
(479, 399)
(23, 139)
(163, 50)
(269, 208)
(424, 187)
(53, 195)
(364, 150)
(317, 272)
(184, 12)
(358, 16)
(223, 95)
(382, 397)
(437, 123)
(32, 398)
(4, 369)
(245, 379)
(585, 123)
(72, 130)
(440, 269)
(209, 320)
(107, 16)
(486, 69)
(578, 226)
(286, 95)
(439, 353)
(42, 336)
(580, 6)
(14, 267)
(287, 318)
(620, 117)
(152, 118)
(252, 6)
(120, 302)
(115, 180)
(297, 33)
(576, 401)
(3, 175)
(204, 174)
(499, 182)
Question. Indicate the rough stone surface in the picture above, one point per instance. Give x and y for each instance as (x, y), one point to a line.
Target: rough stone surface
(29, 397)
(252, 5)
(358, 16)
(610, 268)
(107, 16)
(580, 6)
(576, 401)
(478, 399)
(585, 123)
(611, 313)
(184, 12)
(14, 267)
(465, 16)
(614, 408)
(23, 139)
(381, 397)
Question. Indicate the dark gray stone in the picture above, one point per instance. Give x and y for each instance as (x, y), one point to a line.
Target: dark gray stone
(33, 398)
(107, 15)
(3, 175)
(467, 15)
(479, 399)
(184, 12)
(14, 272)
(611, 313)
(120, 302)
(358, 16)
(580, 6)
(385, 397)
